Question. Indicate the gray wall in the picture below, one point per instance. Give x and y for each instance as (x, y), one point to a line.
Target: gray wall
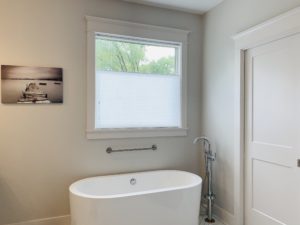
(229, 18)
(43, 148)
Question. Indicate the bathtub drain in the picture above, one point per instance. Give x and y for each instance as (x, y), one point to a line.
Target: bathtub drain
(132, 181)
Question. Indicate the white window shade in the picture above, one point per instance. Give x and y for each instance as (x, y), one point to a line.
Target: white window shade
(131, 100)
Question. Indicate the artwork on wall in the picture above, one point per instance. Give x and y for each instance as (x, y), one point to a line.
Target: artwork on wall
(23, 84)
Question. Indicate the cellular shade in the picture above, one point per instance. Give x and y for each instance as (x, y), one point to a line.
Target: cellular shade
(130, 100)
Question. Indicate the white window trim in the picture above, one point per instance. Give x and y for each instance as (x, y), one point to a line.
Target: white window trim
(129, 29)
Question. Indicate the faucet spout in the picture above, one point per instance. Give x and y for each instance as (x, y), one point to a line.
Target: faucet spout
(198, 139)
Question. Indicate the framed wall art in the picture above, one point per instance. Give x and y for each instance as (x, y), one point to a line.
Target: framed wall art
(31, 85)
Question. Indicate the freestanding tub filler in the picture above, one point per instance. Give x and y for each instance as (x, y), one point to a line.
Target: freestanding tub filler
(165, 197)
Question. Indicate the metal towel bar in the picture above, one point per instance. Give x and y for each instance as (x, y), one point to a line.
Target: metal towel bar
(110, 150)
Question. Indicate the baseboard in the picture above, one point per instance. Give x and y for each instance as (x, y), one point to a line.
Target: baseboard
(60, 220)
(223, 216)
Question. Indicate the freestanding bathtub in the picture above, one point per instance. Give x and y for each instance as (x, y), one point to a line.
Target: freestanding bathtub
(165, 197)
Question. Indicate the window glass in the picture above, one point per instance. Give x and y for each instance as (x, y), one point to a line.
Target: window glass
(135, 57)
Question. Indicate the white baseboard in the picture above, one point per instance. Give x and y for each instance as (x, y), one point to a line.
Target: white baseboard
(223, 216)
(60, 220)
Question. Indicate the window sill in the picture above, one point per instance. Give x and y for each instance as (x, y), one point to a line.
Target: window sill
(135, 133)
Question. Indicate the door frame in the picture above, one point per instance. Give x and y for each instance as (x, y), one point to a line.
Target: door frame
(282, 26)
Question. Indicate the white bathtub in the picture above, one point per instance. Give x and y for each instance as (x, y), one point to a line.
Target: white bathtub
(165, 197)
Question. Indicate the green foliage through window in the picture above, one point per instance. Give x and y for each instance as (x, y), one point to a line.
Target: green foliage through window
(122, 56)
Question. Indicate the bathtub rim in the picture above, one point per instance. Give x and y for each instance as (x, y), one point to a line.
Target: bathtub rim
(77, 193)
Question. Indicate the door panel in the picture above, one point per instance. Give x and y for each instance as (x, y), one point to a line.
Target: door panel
(272, 133)
(266, 189)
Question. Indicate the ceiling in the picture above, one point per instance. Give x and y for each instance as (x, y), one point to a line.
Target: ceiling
(192, 6)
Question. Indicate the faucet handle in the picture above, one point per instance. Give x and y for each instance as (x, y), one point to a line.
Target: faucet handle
(212, 156)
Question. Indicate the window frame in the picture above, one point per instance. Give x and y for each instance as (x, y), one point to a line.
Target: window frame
(97, 25)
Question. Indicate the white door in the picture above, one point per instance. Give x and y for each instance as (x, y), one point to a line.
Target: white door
(272, 133)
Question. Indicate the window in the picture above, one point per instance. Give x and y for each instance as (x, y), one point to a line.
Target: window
(136, 82)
